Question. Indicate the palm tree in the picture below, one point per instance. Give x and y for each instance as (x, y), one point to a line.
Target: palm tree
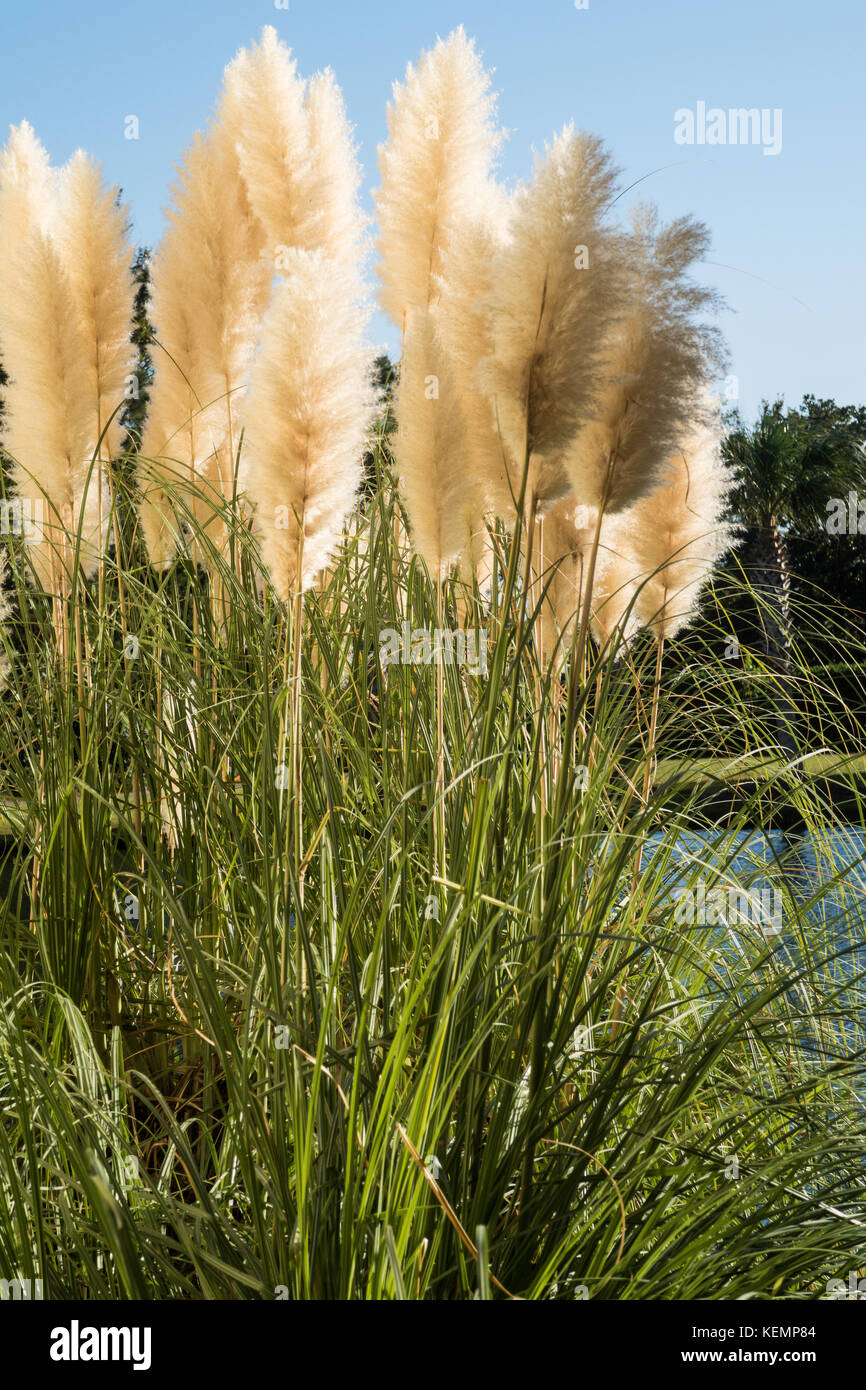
(785, 470)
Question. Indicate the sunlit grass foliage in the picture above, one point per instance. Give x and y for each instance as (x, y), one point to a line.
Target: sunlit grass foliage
(285, 1013)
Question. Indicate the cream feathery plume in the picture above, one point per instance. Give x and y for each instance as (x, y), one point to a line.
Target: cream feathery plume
(674, 537)
(465, 324)
(93, 240)
(474, 568)
(568, 533)
(615, 618)
(556, 290)
(465, 327)
(435, 169)
(307, 418)
(210, 288)
(49, 423)
(335, 175)
(429, 449)
(262, 108)
(656, 361)
(437, 158)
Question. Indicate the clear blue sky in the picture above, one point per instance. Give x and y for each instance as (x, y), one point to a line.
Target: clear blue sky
(791, 227)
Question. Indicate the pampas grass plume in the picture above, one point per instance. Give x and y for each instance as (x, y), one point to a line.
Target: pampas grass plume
(465, 326)
(335, 174)
(50, 419)
(92, 236)
(429, 448)
(262, 107)
(438, 156)
(656, 361)
(552, 306)
(307, 419)
(435, 169)
(676, 535)
(210, 288)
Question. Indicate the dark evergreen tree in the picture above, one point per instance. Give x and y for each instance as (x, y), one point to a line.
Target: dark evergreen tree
(142, 335)
(786, 469)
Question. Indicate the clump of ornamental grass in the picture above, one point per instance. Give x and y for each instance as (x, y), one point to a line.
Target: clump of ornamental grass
(155, 1058)
(423, 1023)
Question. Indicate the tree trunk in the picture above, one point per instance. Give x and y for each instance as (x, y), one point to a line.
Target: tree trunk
(768, 567)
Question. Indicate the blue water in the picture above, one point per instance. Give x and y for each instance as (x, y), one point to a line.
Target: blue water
(803, 901)
(759, 861)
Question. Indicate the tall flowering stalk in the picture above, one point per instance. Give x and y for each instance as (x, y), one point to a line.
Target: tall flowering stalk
(66, 301)
(306, 431)
(435, 166)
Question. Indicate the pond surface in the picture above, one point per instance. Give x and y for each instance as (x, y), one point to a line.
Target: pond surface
(743, 893)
